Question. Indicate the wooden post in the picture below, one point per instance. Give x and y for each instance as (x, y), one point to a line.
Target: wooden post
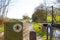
(32, 35)
(10, 34)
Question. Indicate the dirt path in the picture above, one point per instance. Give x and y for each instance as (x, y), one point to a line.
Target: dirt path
(1, 35)
(27, 28)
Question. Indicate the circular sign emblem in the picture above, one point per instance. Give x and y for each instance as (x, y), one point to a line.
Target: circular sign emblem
(17, 27)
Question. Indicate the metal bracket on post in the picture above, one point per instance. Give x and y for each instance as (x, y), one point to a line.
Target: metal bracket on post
(50, 26)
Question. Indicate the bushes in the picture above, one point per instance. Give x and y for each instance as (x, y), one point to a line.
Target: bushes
(42, 34)
(37, 28)
(1, 28)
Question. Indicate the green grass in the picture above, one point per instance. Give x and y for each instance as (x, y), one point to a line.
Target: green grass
(44, 37)
(36, 28)
(1, 28)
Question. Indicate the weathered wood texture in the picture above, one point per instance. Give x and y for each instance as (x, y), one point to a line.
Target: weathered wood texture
(10, 34)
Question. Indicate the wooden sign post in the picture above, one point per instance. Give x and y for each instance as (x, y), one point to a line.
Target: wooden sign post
(13, 31)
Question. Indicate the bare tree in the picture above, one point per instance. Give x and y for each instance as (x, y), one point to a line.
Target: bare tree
(58, 1)
(3, 7)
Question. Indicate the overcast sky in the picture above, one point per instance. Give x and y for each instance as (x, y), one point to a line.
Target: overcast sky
(18, 8)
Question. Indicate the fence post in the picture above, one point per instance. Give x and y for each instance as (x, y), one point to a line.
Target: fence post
(32, 35)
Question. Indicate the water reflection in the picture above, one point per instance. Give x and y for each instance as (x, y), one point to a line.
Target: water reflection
(56, 33)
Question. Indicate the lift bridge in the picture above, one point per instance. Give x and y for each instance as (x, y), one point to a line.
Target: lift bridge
(51, 25)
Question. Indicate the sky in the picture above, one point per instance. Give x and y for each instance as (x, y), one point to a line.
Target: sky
(18, 8)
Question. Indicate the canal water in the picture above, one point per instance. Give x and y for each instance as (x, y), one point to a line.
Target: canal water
(56, 33)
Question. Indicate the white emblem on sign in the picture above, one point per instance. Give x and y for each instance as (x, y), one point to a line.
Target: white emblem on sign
(17, 27)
